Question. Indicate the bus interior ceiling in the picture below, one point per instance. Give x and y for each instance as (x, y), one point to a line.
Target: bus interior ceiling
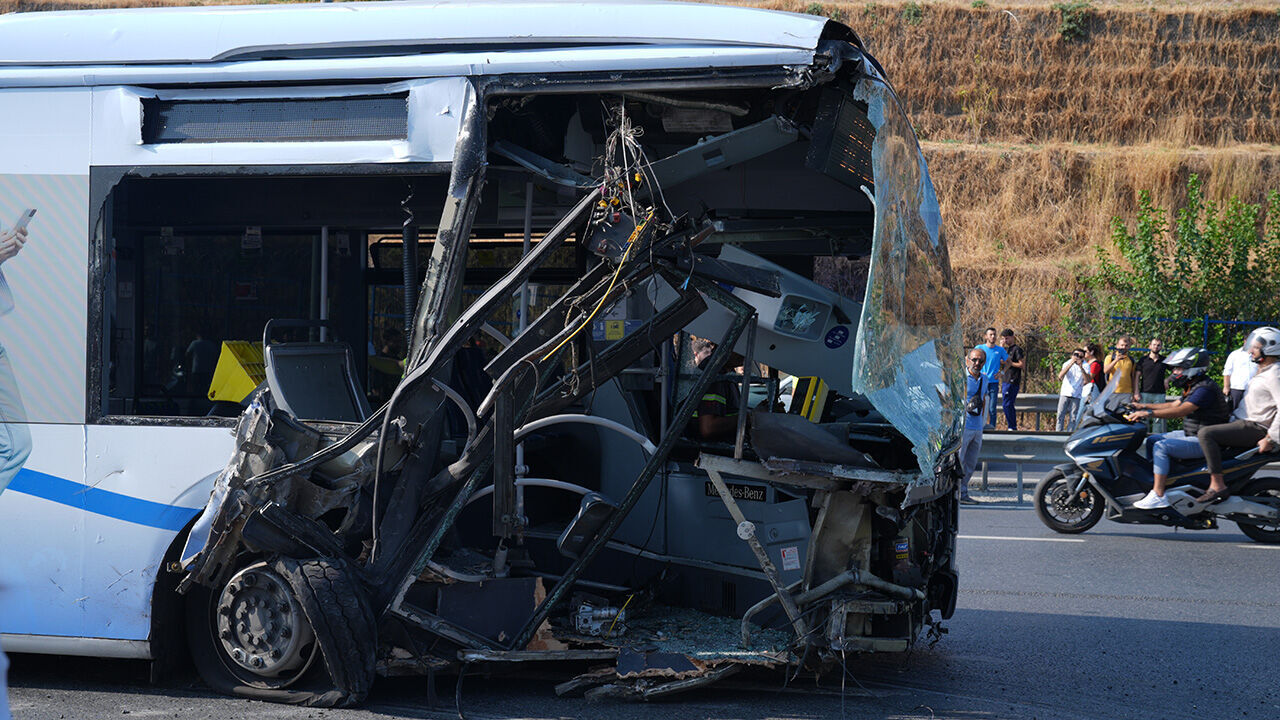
(475, 513)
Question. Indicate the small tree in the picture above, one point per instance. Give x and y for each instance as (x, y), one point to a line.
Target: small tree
(1220, 261)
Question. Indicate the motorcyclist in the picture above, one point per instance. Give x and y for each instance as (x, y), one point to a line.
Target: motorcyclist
(1254, 421)
(1200, 405)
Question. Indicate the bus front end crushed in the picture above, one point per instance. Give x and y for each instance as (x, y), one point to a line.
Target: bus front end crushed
(728, 440)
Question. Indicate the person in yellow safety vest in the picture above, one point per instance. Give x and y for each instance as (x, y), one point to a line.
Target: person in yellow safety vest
(716, 418)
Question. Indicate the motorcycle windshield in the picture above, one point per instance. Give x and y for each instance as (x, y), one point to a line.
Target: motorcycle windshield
(908, 353)
(1098, 404)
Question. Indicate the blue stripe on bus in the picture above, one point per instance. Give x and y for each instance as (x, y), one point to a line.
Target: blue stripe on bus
(101, 502)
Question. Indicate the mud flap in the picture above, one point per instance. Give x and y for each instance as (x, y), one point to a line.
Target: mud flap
(344, 626)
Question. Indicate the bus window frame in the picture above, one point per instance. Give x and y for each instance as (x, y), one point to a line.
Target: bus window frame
(102, 181)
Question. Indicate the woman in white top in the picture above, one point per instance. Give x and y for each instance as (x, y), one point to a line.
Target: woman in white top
(1072, 376)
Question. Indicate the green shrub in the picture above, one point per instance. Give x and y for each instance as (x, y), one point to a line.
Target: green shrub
(912, 13)
(1211, 260)
(978, 4)
(1075, 18)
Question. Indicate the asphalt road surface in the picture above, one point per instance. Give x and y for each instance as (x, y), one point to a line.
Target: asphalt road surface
(1121, 622)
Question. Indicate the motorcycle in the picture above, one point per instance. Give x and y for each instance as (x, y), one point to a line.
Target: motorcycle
(1110, 471)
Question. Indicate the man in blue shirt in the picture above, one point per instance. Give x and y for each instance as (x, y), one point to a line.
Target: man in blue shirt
(992, 370)
(975, 399)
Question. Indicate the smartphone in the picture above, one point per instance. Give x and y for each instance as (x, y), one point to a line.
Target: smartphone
(23, 220)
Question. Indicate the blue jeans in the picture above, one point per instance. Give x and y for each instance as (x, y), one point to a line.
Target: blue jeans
(1010, 392)
(1164, 447)
(970, 448)
(992, 392)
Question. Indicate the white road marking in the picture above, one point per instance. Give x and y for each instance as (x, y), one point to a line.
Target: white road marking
(998, 537)
(1261, 546)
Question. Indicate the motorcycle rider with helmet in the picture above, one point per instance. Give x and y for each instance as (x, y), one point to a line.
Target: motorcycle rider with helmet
(1256, 420)
(1201, 405)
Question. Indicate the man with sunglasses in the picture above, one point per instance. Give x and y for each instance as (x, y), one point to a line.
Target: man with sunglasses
(975, 399)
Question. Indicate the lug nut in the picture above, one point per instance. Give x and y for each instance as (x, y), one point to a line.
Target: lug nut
(285, 633)
(238, 654)
(256, 662)
(250, 579)
(225, 634)
(284, 607)
(224, 610)
(275, 654)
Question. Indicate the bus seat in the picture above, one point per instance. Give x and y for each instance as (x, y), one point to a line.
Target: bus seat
(313, 380)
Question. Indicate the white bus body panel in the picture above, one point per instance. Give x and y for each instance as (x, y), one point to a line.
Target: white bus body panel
(210, 34)
(81, 559)
(346, 70)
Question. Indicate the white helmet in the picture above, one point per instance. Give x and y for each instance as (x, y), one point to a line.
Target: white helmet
(1269, 338)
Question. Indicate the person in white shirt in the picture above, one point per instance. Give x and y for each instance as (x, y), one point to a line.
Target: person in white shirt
(1257, 420)
(1073, 378)
(1236, 374)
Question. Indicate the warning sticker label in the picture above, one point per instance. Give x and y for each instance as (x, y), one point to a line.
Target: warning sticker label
(791, 558)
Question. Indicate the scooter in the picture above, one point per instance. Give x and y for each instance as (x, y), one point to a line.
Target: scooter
(1110, 471)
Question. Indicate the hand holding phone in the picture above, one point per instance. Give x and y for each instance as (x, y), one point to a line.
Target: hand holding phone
(13, 239)
(23, 220)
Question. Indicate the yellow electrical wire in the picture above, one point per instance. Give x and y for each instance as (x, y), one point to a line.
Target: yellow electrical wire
(618, 271)
(621, 610)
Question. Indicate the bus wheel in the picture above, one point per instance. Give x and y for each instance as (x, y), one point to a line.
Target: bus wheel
(285, 631)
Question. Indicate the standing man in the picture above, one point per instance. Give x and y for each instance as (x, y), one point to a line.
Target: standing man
(1013, 379)
(1073, 377)
(992, 370)
(716, 419)
(1236, 374)
(975, 397)
(1119, 364)
(1151, 378)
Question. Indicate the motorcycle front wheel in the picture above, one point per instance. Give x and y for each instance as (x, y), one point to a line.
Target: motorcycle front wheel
(1264, 488)
(1062, 509)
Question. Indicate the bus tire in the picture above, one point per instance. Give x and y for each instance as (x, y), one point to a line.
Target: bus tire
(339, 623)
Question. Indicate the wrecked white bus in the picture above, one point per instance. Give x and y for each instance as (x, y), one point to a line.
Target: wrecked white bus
(353, 339)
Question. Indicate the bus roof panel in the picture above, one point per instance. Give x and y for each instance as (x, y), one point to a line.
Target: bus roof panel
(255, 32)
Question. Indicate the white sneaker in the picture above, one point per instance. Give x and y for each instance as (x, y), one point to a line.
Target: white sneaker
(1152, 501)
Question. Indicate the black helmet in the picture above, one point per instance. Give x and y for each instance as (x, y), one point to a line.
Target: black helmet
(1193, 362)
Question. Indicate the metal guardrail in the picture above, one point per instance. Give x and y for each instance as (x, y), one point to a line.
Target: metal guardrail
(1020, 449)
(1038, 404)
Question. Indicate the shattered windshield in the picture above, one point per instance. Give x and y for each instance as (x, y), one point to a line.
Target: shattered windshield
(907, 357)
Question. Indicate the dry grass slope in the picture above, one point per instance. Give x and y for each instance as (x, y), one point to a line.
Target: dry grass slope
(1005, 73)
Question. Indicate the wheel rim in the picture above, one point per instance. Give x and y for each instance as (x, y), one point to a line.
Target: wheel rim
(1066, 506)
(261, 629)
